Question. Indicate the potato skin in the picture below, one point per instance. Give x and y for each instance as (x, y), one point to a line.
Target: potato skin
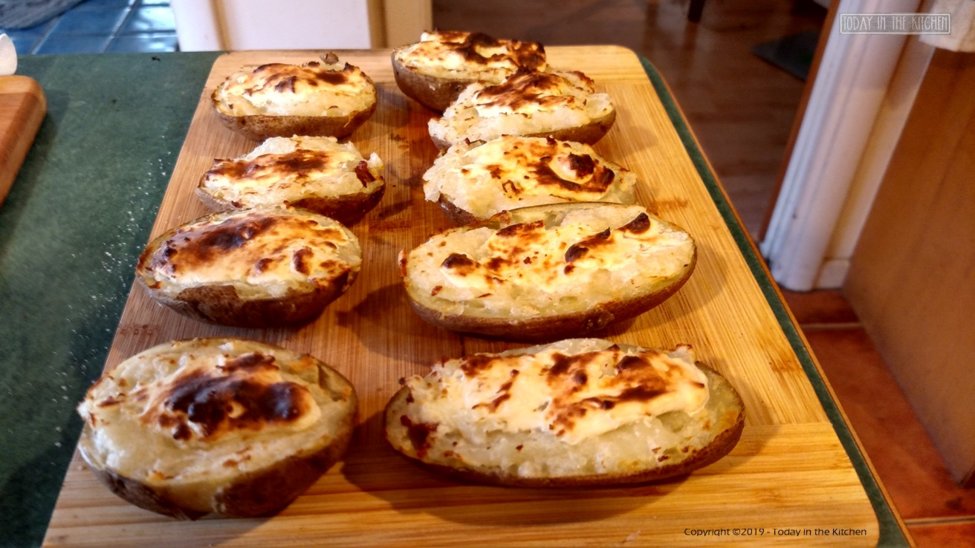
(431, 92)
(588, 134)
(262, 493)
(220, 304)
(347, 210)
(261, 126)
(730, 430)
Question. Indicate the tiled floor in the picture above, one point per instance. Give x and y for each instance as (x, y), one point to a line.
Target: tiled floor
(936, 510)
(96, 26)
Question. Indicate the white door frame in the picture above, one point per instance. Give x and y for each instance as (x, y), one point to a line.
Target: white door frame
(838, 158)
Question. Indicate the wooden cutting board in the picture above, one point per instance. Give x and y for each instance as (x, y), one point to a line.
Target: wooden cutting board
(22, 108)
(788, 472)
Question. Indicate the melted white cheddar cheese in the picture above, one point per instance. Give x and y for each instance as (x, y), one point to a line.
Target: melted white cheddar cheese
(460, 55)
(593, 254)
(524, 104)
(313, 89)
(260, 252)
(283, 170)
(511, 172)
(571, 395)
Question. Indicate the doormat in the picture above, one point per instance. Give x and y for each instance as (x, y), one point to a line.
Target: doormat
(20, 14)
(793, 53)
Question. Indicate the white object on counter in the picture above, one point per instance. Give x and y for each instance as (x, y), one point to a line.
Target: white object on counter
(962, 36)
(8, 56)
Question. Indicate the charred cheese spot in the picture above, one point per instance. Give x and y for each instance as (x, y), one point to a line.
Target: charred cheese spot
(544, 89)
(217, 404)
(284, 77)
(363, 173)
(202, 245)
(419, 434)
(459, 263)
(579, 250)
(639, 224)
(299, 162)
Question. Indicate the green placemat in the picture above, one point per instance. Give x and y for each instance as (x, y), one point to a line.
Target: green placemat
(70, 231)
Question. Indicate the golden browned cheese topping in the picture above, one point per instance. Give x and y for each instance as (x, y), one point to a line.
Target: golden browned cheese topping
(245, 393)
(471, 55)
(533, 89)
(573, 395)
(301, 165)
(286, 170)
(326, 88)
(265, 247)
(289, 78)
(548, 165)
(514, 171)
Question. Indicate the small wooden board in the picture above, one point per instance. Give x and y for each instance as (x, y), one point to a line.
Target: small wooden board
(22, 108)
(789, 472)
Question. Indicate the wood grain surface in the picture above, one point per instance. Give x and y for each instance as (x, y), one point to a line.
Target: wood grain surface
(788, 472)
(22, 108)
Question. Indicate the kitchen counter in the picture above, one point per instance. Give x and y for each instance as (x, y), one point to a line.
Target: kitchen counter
(80, 212)
(76, 217)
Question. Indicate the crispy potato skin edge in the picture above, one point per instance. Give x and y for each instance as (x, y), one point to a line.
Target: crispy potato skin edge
(434, 93)
(720, 446)
(588, 134)
(347, 210)
(220, 304)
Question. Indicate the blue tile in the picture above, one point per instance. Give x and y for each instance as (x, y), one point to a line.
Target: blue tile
(90, 21)
(88, 4)
(79, 43)
(149, 19)
(150, 41)
(26, 39)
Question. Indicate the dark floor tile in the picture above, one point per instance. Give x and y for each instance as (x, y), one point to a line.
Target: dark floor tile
(105, 4)
(826, 306)
(90, 21)
(895, 441)
(25, 40)
(153, 41)
(149, 19)
(73, 44)
(943, 535)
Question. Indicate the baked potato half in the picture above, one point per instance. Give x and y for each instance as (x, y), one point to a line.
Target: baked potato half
(225, 426)
(261, 267)
(324, 97)
(477, 181)
(548, 272)
(314, 173)
(563, 105)
(574, 413)
(436, 69)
